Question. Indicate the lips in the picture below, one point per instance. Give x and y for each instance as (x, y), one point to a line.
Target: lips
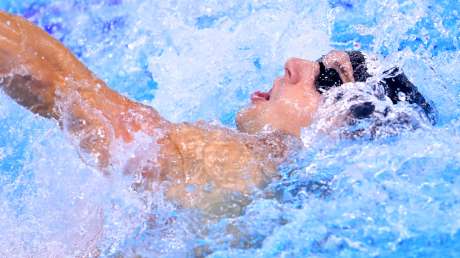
(260, 96)
(266, 96)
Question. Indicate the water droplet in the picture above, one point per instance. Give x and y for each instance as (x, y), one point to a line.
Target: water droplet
(401, 96)
(190, 188)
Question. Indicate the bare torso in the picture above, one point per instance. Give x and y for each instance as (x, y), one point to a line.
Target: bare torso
(212, 164)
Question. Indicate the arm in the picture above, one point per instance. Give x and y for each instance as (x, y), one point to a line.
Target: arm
(39, 73)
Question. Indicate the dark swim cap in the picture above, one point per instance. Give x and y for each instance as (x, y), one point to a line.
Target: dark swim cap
(396, 84)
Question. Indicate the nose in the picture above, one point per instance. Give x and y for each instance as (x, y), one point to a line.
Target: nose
(295, 69)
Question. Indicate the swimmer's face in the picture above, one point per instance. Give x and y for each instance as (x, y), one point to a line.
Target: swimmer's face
(289, 106)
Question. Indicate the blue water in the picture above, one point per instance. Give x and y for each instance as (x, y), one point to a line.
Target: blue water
(393, 197)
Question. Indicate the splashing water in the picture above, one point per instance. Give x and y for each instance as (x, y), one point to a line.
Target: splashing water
(391, 197)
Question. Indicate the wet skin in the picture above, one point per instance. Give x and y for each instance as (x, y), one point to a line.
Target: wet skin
(39, 73)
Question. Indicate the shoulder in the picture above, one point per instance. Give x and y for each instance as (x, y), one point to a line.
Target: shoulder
(230, 159)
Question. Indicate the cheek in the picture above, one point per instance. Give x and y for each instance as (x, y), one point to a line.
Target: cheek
(294, 107)
(298, 109)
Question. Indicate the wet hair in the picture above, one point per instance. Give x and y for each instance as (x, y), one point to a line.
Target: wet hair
(372, 102)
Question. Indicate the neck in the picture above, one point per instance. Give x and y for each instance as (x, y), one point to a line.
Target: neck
(278, 145)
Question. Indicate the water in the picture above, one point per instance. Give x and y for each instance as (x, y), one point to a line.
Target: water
(393, 197)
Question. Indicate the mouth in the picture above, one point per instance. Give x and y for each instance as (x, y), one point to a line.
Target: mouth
(263, 96)
(260, 96)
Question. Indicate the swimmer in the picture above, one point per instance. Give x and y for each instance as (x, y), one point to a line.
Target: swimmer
(221, 164)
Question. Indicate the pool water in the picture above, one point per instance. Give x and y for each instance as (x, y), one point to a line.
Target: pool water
(393, 197)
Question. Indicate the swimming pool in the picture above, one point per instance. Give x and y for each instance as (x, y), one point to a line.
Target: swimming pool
(394, 197)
